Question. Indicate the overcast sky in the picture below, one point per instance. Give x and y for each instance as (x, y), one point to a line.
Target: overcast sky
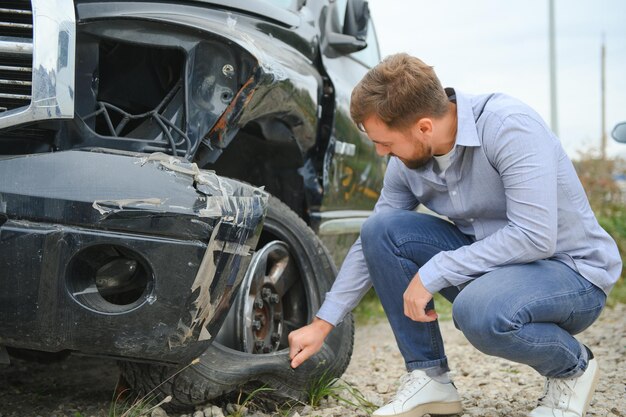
(482, 46)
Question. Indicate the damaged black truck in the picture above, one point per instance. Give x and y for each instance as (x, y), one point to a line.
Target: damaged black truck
(178, 181)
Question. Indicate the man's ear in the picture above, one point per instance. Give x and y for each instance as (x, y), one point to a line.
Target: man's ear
(423, 126)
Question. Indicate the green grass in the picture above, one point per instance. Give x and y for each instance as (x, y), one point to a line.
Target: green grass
(320, 388)
(136, 408)
(615, 225)
(617, 294)
(327, 386)
(369, 310)
(123, 407)
(243, 403)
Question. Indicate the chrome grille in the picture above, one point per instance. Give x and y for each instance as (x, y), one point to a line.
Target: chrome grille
(16, 54)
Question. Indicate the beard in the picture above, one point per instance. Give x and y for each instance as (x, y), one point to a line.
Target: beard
(424, 156)
(416, 163)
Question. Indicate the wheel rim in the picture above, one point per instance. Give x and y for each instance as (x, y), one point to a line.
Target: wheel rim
(259, 305)
(269, 302)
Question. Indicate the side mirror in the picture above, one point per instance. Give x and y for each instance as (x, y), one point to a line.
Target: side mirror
(619, 132)
(357, 18)
(345, 44)
(354, 29)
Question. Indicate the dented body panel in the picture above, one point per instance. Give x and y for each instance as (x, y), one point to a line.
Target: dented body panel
(192, 231)
(126, 226)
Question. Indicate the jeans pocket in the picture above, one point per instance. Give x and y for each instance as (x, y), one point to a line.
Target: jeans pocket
(579, 320)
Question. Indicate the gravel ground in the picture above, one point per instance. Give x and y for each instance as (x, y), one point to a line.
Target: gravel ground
(493, 387)
(490, 387)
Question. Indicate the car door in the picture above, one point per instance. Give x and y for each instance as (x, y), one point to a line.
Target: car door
(354, 172)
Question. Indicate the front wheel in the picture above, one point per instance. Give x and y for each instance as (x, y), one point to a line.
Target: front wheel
(283, 288)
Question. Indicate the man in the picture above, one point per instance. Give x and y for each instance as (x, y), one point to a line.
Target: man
(523, 260)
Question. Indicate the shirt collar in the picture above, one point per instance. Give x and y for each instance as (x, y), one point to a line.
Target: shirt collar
(466, 134)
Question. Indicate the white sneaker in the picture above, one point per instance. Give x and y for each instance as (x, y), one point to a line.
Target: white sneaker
(419, 394)
(568, 397)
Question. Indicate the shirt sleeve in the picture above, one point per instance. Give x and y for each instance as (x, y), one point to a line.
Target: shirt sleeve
(526, 155)
(353, 279)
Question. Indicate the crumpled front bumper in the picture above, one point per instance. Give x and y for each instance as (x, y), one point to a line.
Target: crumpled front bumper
(76, 225)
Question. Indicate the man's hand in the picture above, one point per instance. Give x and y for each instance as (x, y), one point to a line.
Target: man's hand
(415, 298)
(307, 341)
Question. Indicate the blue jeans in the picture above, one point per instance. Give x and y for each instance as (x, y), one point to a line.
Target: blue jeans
(526, 313)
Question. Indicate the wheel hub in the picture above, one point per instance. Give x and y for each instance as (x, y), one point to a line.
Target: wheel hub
(256, 322)
(266, 320)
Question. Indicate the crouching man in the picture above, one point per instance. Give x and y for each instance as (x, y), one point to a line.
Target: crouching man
(523, 260)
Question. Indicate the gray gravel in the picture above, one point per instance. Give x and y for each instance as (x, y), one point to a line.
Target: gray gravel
(493, 387)
(490, 387)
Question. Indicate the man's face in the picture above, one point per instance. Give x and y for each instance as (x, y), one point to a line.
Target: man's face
(410, 146)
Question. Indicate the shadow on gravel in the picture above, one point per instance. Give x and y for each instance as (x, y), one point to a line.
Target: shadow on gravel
(74, 385)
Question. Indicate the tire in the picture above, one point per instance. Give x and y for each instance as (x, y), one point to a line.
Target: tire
(245, 358)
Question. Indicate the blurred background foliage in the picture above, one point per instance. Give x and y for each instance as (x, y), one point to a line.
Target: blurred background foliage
(604, 181)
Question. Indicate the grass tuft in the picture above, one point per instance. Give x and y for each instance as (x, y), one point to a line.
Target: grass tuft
(242, 406)
(141, 406)
(327, 386)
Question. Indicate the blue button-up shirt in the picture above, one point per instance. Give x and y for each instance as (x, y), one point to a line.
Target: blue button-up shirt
(511, 186)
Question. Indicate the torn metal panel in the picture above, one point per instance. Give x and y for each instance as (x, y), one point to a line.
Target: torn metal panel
(201, 308)
(206, 303)
(222, 132)
(104, 206)
(127, 253)
(240, 72)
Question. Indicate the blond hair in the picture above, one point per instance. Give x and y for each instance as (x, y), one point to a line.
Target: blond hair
(400, 90)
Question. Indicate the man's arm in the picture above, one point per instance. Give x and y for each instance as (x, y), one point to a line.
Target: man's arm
(353, 280)
(526, 154)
